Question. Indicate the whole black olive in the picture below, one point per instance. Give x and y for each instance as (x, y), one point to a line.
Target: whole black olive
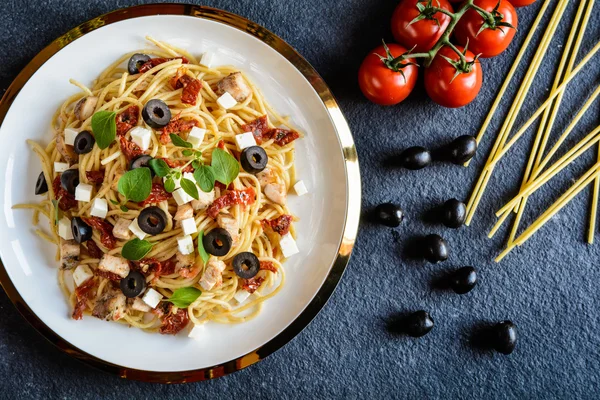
(434, 248)
(416, 157)
(504, 337)
(463, 280)
(254, 159)
(246, 265)
(462, 149)
(453, 213)
(418, 324)
(217, 242)
(84, 142)
(388, 214)
(152, 220)
(141, 161)
(69, 180)
(156, 114)
(133, 285)
(135, 62)
(41, 186)
(82, 232)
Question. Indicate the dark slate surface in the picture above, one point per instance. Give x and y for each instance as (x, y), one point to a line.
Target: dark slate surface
(549, 287)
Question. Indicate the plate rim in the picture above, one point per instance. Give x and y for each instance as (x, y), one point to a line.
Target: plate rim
(353, 192)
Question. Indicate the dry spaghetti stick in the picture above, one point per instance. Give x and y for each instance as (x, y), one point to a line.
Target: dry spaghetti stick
(510, 74)
(554, 208)
(515, 108)
(545, 127)
(594, 205)
(582, 146)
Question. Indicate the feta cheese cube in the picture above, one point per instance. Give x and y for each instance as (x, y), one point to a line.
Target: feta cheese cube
(83, 192)
(197, 332)
(99, 208)
(137, 231)
(141, 136)
(185, 244)
(152, 298)
(226, 101)
(188, 226)
(245, 140)
(196, 136)
(60, 166)
(207, 59)
(181, 197)
(241, 296)
(300, 188)
(70, 135)
(288, 245)
(64, 229)
(81, 274)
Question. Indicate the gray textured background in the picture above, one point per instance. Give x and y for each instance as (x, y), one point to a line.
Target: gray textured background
(549, 287)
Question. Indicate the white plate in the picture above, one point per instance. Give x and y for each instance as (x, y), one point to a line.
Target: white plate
(326, 161)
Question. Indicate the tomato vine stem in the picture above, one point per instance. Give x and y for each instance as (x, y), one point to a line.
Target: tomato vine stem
(444, 40)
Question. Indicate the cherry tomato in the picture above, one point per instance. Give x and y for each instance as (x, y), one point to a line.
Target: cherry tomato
(521, 3)
(424, 33)
(447, 90)
(489, 42)
(381, 84)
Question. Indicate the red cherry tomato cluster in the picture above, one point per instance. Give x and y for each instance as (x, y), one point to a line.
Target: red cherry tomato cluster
(423, 29)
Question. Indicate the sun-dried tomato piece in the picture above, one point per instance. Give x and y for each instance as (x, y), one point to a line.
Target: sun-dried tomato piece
(95, 177)
(81, 294)
(221, 144)
(129, 149)
(105, 228)
(93, 249)
(257, 127)
(178, 163)
(127, 119)
(175, 126)
(280, 224)
(243, 197)
(191, 87)
(250, 285)
(148, 65)
(268, 266)
(173, 323)
(281, 136)
(108, 275)
(66, 200)
(157, 194)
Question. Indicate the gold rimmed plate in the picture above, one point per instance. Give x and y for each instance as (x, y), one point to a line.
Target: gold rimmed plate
(326, 161)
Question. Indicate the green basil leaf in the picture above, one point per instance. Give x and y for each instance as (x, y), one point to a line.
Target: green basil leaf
(183, 297)
(136, 249)
(205, 178)
(104, 127)
(189, 187)
(124, 208)
(179, 142)
(225, 166)
(116, 203)
(136, 184)
(187, 152)
(160, 167)
(169, 185)
(195, 164)
(201, 250)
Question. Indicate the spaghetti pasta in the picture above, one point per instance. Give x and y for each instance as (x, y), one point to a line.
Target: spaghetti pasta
(251, 209)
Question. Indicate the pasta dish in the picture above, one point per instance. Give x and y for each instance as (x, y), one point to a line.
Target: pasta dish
(166, 187)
